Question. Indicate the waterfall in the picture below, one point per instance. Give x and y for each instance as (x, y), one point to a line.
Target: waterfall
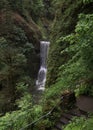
(40, 83)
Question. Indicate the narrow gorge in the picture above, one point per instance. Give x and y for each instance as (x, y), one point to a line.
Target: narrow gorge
(46, 65)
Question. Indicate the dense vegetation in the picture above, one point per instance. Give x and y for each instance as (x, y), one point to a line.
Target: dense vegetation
(69, 26)
(19, 50)
(70, 58)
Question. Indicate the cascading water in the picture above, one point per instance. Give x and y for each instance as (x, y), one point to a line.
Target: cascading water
(40, 83)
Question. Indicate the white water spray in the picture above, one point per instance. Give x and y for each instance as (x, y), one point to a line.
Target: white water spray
(40, 83)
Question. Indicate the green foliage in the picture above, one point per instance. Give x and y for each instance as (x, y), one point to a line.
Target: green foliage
(26, 113)
(13, 56)
(24, 7)
(36, 5)
(87, 1)
(76, 71)
(64, 23)
(12, 62)
(80, 124)
(16, 50)
(19, 35)
(81, 90)
(71, 61)
(21, 87)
